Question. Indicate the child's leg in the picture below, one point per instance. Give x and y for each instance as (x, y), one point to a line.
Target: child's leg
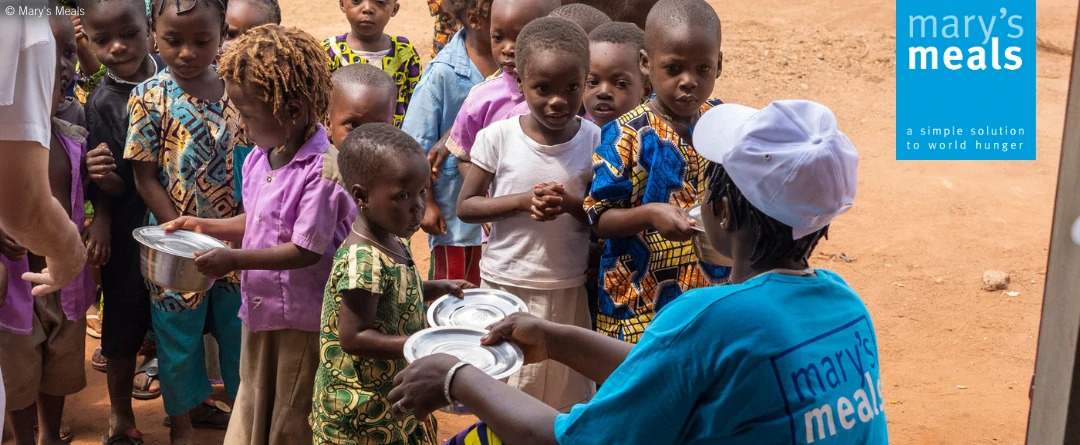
(62, 372)
(182, 362)
(223, 306)
(123, 333)
(277, 377)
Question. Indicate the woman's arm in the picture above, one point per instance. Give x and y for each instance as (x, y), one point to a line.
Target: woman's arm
(474, 207)
(152, 192)
(356, 328)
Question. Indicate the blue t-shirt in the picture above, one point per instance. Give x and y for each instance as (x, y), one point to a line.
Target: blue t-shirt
(779, 359)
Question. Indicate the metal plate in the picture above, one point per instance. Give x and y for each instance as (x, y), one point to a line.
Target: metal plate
(181, 243)
(479, 309)
(499, 361)
(695, 214)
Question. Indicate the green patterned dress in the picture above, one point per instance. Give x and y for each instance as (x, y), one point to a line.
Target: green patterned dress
(350, 405)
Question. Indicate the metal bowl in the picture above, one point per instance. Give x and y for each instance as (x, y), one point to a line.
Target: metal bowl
(479, 309)
(702, 247)
(499, 361)
(168, 259)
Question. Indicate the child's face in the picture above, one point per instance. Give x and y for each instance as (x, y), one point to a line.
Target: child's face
(682, 66)
(189, 42)
(397, 200)
(240, 17)
(369, 17)
(615, 84)
(354, 105)
(64, 33)
(507, 19)
(118, 35)
(257, 118)
(553, 86)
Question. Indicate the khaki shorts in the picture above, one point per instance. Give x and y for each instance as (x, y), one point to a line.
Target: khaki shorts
(50, 360)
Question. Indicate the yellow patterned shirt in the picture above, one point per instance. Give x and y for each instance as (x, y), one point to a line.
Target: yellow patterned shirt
(445, 26)
(642, 160)
(350, 405)
(195, 144)
(402, 63)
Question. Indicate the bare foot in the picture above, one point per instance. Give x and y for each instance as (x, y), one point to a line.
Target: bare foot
(181, 432)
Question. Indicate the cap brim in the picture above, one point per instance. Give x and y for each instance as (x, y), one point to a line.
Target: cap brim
(718, 130)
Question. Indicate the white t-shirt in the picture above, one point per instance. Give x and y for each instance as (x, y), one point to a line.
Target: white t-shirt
(522, 252)
(27, 78)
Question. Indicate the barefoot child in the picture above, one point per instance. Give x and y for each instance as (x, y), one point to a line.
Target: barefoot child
(182, 142)
(366, 43)
(243, 15)
(362, 94)
(647, 174)
(117, 31)
(296, 216)
(537, 168)
(42, 339)
(375, 298)
(461, 65)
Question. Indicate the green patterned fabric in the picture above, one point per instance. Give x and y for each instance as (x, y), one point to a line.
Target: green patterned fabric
(350, 405)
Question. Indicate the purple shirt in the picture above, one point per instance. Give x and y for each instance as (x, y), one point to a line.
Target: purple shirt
(303, 203)
(489, 102)
(16, 316)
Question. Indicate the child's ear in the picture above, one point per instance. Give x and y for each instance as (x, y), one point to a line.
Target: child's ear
(472, 20)
(341, 4)
(397, 6)
(359, 195)
(644, 62)
(648, 91)
(517, 79)
(296, 110)
(720, 64)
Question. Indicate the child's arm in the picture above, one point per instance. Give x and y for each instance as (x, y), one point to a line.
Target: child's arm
(101, 166)
(227, 229)
(434, 289)
(152, 192)
(88, 62)
(98, 236)
(475, 207)
(356, 328)
(434, 223)
(668, 220)
(218, 263)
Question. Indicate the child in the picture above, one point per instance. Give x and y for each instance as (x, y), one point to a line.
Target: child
(647, 174)
(446, 25)
(366, 43)
(362, 94)
(615, 85)
(539, 241)
(291, 193)
(243, 15)
(585, 16)
(375, 298)
(462, 64)
(117, 31)
(494, 100)
(182, 118)
(42, 339)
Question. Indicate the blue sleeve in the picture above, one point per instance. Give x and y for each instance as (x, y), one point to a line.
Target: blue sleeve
(613, 181)
(664, 371)
(425, 116)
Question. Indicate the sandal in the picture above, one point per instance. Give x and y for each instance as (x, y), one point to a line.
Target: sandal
(201, 415)
(65, 432)
(129, 437)
(93, 326)
(98, 361)
(150, 368)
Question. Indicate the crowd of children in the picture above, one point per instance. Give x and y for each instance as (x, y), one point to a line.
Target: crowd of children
(566, 171)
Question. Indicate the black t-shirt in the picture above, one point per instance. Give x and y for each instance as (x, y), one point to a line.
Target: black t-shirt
(107, 121)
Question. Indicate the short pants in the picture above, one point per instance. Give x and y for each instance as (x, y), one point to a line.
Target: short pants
(50, 359)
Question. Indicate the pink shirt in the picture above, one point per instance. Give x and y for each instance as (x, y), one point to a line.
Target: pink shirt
(487, 103)
(303, 203)
(17, 313)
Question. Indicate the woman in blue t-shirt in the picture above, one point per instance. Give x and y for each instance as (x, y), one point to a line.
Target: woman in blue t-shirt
(785, 354)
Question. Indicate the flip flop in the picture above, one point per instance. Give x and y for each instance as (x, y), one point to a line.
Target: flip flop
(200, 418)
(129, 437)
(93, 326)
(150, 368)
(98, 361)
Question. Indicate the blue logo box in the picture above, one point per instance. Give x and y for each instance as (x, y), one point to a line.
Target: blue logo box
(965, 80)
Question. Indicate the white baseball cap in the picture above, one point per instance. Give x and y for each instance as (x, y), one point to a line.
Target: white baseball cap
(788, 159)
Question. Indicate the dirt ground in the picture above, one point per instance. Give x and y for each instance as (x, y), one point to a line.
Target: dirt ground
(956, 360)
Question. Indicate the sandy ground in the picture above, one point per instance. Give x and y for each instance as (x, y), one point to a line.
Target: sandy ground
(956, 360)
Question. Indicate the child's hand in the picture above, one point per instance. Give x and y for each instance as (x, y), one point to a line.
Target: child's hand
(433, 223)
(10, 248)
(97, 238)
(671, 223)
(436, 288)
(189, 223)
(100, 162)
(547, 201)
(80, 34)
(216, 263)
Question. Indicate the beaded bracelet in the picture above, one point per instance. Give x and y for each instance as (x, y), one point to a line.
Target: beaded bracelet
(450, 379)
